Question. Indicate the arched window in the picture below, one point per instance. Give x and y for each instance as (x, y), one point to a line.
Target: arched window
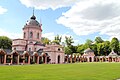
(29, 49)
(14, 48)
(31, 34)
(35, 49)
(58, 49)
(24, 35)
(37, 35)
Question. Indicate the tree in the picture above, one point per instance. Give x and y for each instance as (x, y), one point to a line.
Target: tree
(94, 48)
(45, 40)
(88, 43)
(100, 48)
(69, 41)
(5, 42)
(73, 48)
(57, 39)
(80, 49)
(106, 48)
(68, 50)
(114, 44)
(98, 40)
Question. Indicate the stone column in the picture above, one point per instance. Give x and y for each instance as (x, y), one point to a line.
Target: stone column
(5, 59)
(29, 60)
(115, 59)
(92, 59)
(45, 60)
(112, 59)
(70, 59)
(102, 60)
(11, 59)
(108, 59)
(38, 60)
(105, 59)
(80, 59)
(24, 59)
(18, 59)
(96, 59)
(75, 59)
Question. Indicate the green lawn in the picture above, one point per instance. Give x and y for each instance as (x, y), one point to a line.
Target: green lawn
(78, 71)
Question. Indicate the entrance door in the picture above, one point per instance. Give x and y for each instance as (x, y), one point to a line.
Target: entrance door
(90, 59)
(1, 59)
(15, 58)
(58, 59)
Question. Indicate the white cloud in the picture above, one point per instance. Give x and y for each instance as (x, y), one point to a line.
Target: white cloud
(46, 4)
(49, 35)
(68, 35)
(91, 16)
(2, 10)
(10, 35)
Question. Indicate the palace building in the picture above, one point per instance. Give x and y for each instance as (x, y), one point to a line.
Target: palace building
(30, 49)
(89, 56)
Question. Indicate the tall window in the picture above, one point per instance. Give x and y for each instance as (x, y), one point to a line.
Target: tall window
(29, 49)
(37, 35)
(35, 49)
(24, 35)
(31, 34)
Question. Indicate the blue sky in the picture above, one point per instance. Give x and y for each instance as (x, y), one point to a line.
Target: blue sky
(82, 19)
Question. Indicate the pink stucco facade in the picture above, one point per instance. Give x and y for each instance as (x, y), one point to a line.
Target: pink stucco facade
(31, 42)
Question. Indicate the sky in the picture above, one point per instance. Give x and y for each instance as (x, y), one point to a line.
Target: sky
(81, 19)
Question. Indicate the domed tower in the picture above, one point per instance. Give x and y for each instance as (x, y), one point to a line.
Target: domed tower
(32, 33)
(32, 30)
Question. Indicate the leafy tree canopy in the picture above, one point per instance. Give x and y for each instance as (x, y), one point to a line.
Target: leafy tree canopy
(5, 42)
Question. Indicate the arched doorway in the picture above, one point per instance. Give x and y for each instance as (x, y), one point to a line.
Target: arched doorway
(21, 59)
(40, 60)
(44, 58)
(104, 59)
(27, 60)
(2, 56)
(15, 58)
(85, 59)
(90, 59)
(36, 58)
(110, 59)
(66, 59)
(95, 59)
(58, 59)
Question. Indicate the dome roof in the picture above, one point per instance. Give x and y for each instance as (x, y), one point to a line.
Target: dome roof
(33, 22)
(88, 50)
(113, 54)
(33, 17)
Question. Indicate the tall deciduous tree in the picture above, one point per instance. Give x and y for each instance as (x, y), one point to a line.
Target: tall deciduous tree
(57, 39)
(69, 46)
(80, 49)
(106, 48)
(5, 42)
(69, 41)
(67, 50)
(100, 49)
(88, 43)
(45, 40)
(114, 44)
(98, 40)
(94, 48)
